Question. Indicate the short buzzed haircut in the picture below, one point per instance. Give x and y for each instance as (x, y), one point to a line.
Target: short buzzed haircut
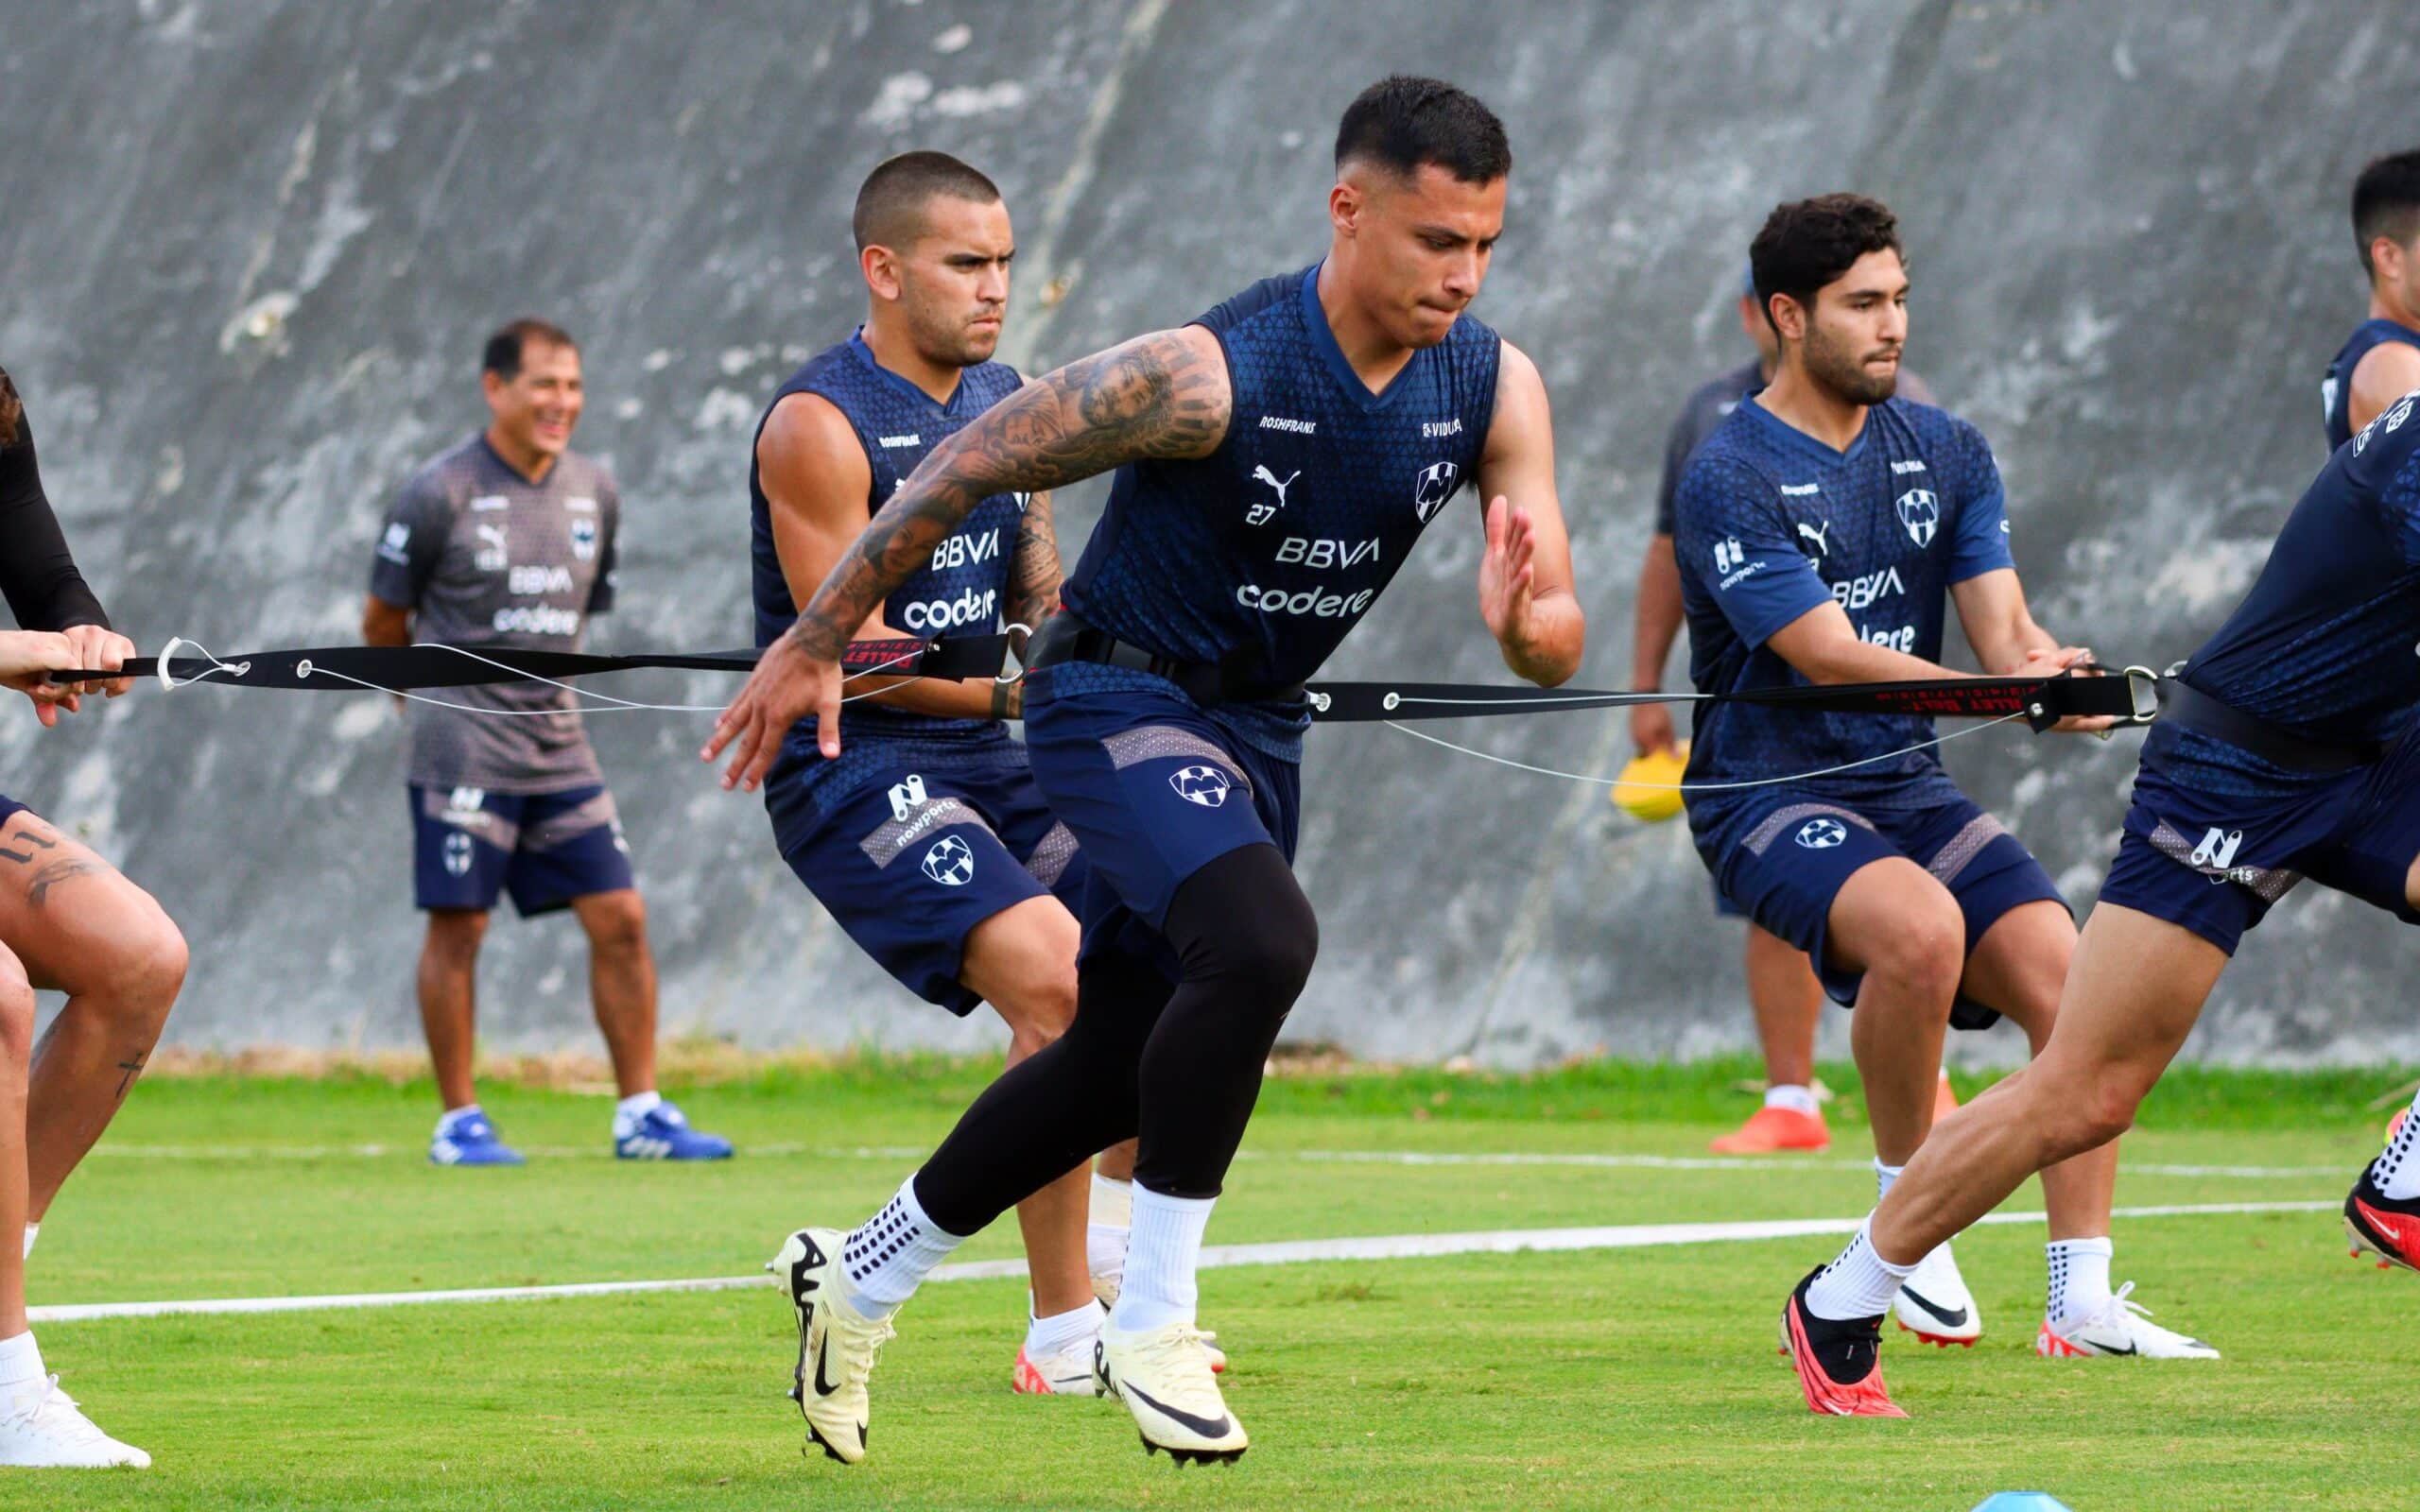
(2386, 202)
(892, 202)
(502, 354)
(1403, 122)
(1808, 243)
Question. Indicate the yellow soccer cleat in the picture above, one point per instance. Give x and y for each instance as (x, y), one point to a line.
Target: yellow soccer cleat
(1659, 772)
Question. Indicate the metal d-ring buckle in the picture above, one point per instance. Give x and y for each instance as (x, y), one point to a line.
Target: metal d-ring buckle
(1016, 648)
(2142, 691)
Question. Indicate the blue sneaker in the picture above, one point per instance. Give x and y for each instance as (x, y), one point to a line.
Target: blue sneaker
(470, 1141)
(662, 1133)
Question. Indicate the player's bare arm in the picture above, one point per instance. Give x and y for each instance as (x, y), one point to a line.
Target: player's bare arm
(1034, 577)
(1656, 626)
(1163, 395)
(2387, 372)
(814, 473)
(1525, 584)
(2001, 628)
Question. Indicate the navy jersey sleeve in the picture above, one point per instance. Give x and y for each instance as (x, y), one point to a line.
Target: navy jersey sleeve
(1730, 526)
(609, 551)
(413, 541)
(37, 573)
(1980, 544)
(1679, 442)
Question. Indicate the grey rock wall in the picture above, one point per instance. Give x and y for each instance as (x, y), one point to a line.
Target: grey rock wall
(248, 249)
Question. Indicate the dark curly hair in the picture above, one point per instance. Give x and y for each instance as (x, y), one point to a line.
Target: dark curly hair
(1808, 243)
(12, 411)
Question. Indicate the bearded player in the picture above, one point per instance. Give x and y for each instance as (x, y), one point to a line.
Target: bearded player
(1823, 531)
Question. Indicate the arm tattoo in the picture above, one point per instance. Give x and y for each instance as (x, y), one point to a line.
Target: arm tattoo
(1033, 566)
(1154, 397)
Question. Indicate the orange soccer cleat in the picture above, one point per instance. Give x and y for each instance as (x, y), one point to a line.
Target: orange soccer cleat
(1777, 1129)
(1839, 1363)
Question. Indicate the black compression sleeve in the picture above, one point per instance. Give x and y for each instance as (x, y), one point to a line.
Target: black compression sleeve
(37, 573)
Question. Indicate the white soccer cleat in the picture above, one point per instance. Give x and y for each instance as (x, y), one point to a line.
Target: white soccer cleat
(2118, 1327)
(1106, 1288)
(41, 1428)
(1060, 1373)
(1934, 1305)
(836, 1343)
(1164, 1377)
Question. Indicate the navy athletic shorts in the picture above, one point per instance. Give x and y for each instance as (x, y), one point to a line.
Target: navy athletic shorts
(907, 862)
(1783, 857)
(10, 808)
(2215, 863)
(1155, 790)
(545, 849)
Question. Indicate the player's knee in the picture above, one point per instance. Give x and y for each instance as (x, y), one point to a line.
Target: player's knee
(616, 923)
(16, 1014)
(2102, 1110)
(1923, 954)
(1044, 1012)
(455, 936)
(151, 966)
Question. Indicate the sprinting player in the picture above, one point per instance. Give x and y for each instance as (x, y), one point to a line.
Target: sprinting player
(925, 840)
(1822, 530)
(68, 922)
(1277, 461)
(2381, 361)
(1782, 989)
(2288, 751)
(508, 540)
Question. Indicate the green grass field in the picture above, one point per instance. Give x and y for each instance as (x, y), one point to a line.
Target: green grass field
(1639, 1377)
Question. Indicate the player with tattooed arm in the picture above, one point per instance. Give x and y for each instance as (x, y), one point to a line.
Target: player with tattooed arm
(1276, 460)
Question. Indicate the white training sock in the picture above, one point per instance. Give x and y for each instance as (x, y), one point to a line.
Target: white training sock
(2397, 1172)
(1062, 1332)
(1797, 1099)
(1885, 1177)
(31, 1230)
(1112, 1220)
(627, 1112)
(448, 1120)
(20, 1365)
(1859, 1284)
(889, 1255)
(2079, 1279)
(1160, 1261)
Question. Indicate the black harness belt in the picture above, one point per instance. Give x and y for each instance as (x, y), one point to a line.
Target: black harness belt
(2190, 708)
(1064, 638)
(346, 668)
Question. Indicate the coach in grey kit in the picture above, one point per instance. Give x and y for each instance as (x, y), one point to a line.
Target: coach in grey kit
(508, 539)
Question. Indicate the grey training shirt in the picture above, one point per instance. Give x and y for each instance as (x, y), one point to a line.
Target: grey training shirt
(485, 557)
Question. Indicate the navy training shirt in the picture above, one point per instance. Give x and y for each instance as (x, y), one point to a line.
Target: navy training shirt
(1772, 522)
(961, 588)
(2328, 642)
(1265, 553)
(2336, 389)
(1709, 405)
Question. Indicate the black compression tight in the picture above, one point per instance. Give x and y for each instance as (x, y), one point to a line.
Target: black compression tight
(1180, 1067)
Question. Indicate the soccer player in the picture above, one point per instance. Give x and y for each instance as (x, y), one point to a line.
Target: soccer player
(2288, 751)
(1782, 989)
(1823, 530)
(1276, 460)
(507, 539)
(2381, 361)
(68, 922)
(926, 839)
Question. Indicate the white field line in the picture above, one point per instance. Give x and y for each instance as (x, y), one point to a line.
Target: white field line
(1734, 1162)
(1408, 1158)
(1284, 1252)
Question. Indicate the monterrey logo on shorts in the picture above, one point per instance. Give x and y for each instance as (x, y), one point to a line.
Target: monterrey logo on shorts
(1822, 834)
(1205, 786)
(950, 862)
(457, 855)
(1921, 513)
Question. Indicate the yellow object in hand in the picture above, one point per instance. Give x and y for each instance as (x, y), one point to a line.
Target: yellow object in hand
(1660, 768)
